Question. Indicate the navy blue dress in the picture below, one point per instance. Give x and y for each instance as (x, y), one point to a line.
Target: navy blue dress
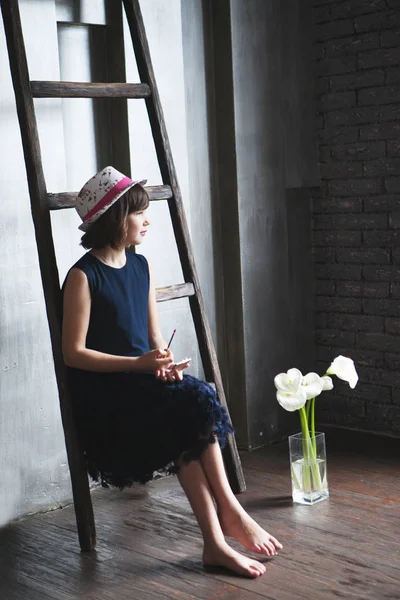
(131, 424)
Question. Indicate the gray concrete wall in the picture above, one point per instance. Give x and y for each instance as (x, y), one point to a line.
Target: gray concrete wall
(257, 73)
(266, 146)
(203, 173)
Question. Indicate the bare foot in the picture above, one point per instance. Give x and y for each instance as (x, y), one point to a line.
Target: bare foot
(225, 556)
(240, 526)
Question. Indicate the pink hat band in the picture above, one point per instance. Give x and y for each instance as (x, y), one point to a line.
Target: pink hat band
(100, 192)
(108, 198)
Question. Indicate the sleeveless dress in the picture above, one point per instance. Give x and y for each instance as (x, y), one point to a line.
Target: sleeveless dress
(129, 423)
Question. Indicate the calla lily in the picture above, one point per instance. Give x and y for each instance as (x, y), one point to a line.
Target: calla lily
(290, 395)
(289, 382)
(344, 368)
(292, 402)
(312, 385)
(327, 383)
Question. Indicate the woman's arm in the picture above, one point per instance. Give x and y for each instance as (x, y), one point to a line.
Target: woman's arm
(156, 339)
(77, 303)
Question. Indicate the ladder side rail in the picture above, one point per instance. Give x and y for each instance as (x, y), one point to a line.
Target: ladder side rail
(185, 249)
(47, 262)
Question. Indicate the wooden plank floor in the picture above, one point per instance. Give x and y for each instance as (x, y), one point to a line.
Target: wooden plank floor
(150, 548)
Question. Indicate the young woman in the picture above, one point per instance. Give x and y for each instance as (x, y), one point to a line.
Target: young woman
(135, 410)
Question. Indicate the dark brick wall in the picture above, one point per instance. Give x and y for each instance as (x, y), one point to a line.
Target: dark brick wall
(356, 211)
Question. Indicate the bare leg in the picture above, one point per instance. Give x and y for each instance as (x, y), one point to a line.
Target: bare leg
(234, 520)
(216, 551)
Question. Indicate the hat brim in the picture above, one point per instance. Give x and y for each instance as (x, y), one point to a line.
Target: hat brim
(85, 226)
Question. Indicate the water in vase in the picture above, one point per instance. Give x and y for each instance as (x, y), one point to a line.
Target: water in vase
(309, 481)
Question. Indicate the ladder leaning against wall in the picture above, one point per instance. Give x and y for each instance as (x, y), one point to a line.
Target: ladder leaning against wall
(42, 202)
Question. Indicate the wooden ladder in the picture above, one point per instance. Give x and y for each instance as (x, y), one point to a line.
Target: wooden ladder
(42, 202)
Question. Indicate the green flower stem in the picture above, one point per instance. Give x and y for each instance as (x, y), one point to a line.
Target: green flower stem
(312, 401)
(312, 417)
(311, 473)
(308, 410)
(306, 478)
(311, 411)
(304, 423)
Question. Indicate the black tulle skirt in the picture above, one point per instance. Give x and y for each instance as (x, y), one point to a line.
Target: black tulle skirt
(131, 425)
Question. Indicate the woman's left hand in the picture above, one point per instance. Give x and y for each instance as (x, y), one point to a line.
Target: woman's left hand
(171, 374)
(168, 375)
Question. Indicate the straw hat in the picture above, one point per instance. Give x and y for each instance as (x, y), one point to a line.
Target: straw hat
(100, 192)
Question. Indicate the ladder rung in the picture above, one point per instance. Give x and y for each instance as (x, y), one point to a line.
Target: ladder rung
(68, 199)
(72, 89)
(171, 292)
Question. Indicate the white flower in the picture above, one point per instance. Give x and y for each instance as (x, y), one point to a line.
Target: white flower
(327, 383)
(344, 368)
(290, 393)
(291, 402)
(288, 382)
(312, 384)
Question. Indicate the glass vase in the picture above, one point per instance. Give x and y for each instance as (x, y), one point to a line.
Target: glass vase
(308, 468)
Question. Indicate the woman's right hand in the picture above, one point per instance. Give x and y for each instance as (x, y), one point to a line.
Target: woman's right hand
(154, 361)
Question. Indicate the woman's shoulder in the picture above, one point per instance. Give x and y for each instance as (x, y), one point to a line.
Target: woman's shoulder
(84, 261)
(83, 266)
(139, 267)
(137, 259)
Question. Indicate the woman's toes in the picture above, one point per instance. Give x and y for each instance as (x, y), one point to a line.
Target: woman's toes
(254, 572)
(272, 548)
(260, 567)
(277, 544)
(265, 550)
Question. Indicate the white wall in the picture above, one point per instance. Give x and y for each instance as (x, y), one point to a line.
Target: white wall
(33, 469)
(159, 247)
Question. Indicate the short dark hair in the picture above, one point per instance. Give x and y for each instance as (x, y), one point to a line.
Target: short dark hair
(111, 227)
